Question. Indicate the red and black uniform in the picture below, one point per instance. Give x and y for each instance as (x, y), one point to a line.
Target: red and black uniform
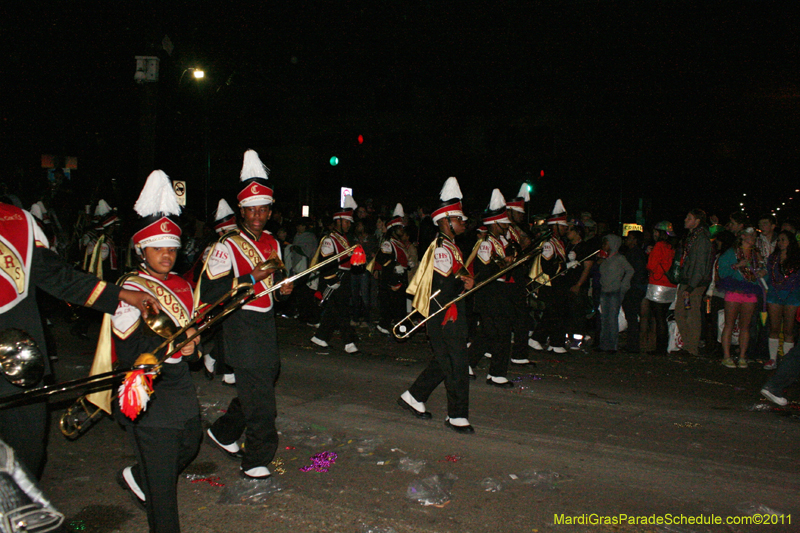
(26, 262)
(517, 288)
(447, 331)
(336, 278)
(251, 344)
(167, 435)
(491, 302)
(553, 325)
(392, 262)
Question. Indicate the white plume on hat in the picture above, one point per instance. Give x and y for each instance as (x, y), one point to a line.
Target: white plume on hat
(398, 211)
(558, 208)
(102, 208)
(157, 196)
(524, 193)
(349, 202)
(38, 210)
(252, 167)
(223, 210)
(497, 201)
(450, 190)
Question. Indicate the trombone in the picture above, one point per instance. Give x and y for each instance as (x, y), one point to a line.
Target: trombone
(401, 331)
(164, 327)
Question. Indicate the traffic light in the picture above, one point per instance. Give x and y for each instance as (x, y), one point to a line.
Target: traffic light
(334, 161)
(360, 139)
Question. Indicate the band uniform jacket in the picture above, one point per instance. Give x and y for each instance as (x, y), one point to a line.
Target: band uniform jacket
(27, 263)
(233, 258)
(174, 399)
(392, 261)
(333, 244)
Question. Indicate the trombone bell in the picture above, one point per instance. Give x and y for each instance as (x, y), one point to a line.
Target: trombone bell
(78, 418)
(161, 324)
(21, 360)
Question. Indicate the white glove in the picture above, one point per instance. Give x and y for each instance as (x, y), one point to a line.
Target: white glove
(335, 285)
(572, 264)
(399, 269)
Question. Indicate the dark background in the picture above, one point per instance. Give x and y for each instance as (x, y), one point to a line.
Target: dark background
(679, 104)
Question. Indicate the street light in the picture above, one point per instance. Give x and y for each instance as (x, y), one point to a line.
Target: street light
(198, 74)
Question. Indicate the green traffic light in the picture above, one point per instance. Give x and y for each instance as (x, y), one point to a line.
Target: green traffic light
(334, 161)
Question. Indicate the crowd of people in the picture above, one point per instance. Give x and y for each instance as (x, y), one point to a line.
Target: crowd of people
(491, 286)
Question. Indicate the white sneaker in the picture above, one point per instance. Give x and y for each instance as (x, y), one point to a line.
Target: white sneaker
(778, 400)
(127, 475)
(229, 379)
(772, 364)
(535, 345)
(487, 355)
(410, 400)
(458, 422)
(209, 363)
(382, 330)
(315, 326)
(350, 348)
(258, 472)
(319, 342)
(497, 379)
(520, 361)
(230, 448)
(557, 349)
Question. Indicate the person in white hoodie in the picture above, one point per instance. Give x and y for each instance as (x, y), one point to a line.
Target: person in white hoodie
(615, 280)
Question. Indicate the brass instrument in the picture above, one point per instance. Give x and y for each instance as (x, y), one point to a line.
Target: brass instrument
(401, 330)
(21, 360)
(233, 300)
(530, 291)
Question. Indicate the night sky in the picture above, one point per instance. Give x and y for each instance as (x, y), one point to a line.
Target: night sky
(680, 104)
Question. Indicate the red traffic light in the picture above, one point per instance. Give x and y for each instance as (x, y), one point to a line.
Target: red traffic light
(541, 173)
(360, 139)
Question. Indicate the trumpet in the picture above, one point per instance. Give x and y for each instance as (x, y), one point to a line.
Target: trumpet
(401, 330)
(164, 327)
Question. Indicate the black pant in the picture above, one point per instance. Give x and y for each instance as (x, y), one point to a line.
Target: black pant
(336, 314)
(162, 454)
(494, 333)
(24, 428)
(253, 414)
(520, 318)
(553, 325)
(632, 307)
(449, 364)
(392, 305)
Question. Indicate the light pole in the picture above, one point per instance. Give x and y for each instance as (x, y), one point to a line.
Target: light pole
(199, 74)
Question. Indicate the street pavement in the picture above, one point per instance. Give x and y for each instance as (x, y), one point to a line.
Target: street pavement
(581, 435)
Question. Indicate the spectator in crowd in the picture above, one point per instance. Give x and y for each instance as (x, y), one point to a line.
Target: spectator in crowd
(696, 261)
(632, 303)
(768, 238)
(577, 279)
(736, 222)
(739, 270)
(615, 279)
(660, 291)
(783, 294)
(715, 297)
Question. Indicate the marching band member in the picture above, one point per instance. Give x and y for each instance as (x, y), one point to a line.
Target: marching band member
(552, 329)
(251, 343)
(392, 264)
(494, 334)
(336, 277)
(518, 235)
(442, 269)
(26, 262)
(167, 433)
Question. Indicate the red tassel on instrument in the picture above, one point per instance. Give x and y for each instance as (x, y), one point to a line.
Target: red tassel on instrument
(451, 315)
(135, 392)
(358, 257)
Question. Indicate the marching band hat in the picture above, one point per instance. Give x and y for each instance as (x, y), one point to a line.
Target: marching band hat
(518, 203)
(397, 217)
(346, 213)
(559, 215)
(496, 212)
(254, 174)
(159, 209)
(224, 218)
(450, 196)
